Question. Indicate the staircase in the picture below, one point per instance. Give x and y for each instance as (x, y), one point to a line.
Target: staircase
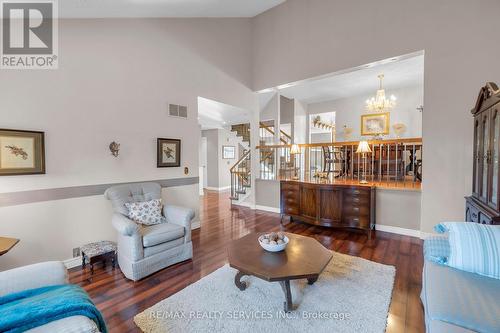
(268, 155)
(241, 173)
(241, 177)
(243, 131)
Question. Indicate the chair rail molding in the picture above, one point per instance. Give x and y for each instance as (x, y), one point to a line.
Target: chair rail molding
(51, 194)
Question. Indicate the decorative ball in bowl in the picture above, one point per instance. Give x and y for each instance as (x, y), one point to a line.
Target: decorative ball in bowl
(274, 241)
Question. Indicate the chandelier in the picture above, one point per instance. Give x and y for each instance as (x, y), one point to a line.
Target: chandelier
(380, 103)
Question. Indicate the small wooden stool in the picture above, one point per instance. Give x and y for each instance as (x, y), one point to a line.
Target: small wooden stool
(99, 251)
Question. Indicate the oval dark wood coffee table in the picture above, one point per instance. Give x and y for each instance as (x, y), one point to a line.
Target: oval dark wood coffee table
(303, 258)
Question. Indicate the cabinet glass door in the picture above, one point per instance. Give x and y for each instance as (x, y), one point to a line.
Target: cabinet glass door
(485, 140)
(495, 123)
(477, 161)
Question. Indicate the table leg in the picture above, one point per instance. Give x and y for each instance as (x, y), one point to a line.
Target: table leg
(242, 285)
(285, 285)
(312, 280)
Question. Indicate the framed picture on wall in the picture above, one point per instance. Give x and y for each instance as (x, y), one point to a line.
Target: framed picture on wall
(228, 152)
(375, 124)
(168, 153)
(21, 152)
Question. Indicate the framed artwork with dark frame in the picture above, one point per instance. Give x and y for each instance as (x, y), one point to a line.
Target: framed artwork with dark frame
(228, 152)
(21, 152)
(168, 153)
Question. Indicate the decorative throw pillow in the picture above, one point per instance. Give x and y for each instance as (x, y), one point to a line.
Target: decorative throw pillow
(146, 212)
(474, 247)
(437, 249)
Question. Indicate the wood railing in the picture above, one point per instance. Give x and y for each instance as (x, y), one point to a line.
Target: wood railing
(241, 176)
(398, 160)
(284, 137)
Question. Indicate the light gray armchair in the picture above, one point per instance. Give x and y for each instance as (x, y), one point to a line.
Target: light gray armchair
(143, 250)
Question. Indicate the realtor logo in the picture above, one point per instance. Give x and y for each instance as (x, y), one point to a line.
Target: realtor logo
(29, 34)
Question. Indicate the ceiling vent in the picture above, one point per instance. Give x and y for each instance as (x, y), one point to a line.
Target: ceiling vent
(175, 110)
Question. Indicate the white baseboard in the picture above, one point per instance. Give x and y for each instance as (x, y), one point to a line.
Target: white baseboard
(398, 230)
(243, 204)
(259, 207)
(267, 209)
(218, 189)
(73, 262)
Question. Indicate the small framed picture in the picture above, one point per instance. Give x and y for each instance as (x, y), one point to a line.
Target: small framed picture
(21, 152)
(168, 153)
(228, 152)
(375, 124)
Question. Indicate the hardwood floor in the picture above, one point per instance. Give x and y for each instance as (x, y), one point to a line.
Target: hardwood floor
(120, 299)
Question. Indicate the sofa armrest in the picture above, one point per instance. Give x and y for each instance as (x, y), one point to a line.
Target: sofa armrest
(181, 216)
(33, 276)
(124, 225)
(436, 249)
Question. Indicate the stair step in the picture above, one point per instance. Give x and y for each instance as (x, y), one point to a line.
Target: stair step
(233, 198)
(241, 191)
(247, 185)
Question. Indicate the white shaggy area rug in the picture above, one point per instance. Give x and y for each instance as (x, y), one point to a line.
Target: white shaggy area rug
(351, 295)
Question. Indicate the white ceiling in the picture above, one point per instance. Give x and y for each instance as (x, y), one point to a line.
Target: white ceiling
(163, 8)
(213, 114)
(399, 72)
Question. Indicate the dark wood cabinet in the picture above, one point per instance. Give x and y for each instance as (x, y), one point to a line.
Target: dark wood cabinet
(329, 205)
(483, 206)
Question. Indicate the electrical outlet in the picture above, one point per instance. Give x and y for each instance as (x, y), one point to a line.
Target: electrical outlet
(76, 252)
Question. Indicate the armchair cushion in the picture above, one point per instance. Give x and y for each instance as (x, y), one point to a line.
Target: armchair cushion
(32, 276)
(74, 324)
(460, 298)
(152, 250)
(161, 233)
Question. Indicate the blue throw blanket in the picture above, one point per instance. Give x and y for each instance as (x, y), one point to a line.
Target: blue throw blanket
(36, 307)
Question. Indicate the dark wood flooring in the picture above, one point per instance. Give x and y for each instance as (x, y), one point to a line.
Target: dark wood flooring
(120, 299)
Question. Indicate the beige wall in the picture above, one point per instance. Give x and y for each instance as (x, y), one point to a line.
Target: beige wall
(212, 157)
(218, 168)
(301, 39)
(399, 208)
(348, 112)
(267, 193)
(300, 123)
(114, 82)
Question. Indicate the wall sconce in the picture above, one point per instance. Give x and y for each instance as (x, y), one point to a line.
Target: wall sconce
(114, 147)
